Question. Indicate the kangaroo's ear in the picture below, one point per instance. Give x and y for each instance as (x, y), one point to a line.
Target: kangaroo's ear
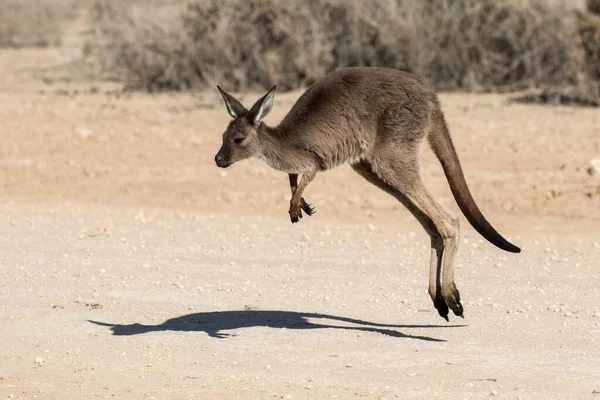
(234, 107)
(262, 107)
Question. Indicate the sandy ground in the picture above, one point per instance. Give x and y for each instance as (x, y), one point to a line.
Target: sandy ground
(132, 267)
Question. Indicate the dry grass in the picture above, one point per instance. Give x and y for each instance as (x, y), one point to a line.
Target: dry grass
(34, 23)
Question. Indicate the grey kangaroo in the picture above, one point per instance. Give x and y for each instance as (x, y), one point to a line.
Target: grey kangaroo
(374, 119)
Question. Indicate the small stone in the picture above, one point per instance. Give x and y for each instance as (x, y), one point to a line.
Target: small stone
(39, 361)
(494, 393)
(594, 168)
(83, 133)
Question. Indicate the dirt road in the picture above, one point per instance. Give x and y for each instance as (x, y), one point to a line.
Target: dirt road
(131, 267)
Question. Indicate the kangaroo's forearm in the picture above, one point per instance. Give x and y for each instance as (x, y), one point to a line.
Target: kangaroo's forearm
(304, 181)
(297, 203)
(308, 209)
(293, 182)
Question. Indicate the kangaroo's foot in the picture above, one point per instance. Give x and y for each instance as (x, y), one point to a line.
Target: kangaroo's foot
(441, 307)
(296, 210)
(452, 299)
(443, 303)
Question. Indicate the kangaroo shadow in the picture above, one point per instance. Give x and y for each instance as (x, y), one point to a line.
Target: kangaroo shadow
(215, 323)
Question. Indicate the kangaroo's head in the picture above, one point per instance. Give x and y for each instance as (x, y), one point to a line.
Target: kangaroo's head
(240, 140)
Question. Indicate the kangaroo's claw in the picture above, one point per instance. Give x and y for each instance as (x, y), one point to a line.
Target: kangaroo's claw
(308, 209)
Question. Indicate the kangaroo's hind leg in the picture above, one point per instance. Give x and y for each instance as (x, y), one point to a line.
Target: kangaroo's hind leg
(437, 242)
(406, 186)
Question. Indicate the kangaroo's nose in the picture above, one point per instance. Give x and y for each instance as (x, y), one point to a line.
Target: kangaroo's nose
(218, 158)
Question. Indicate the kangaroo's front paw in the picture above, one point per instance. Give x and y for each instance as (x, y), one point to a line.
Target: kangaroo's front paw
(308, 209)
(295, 212)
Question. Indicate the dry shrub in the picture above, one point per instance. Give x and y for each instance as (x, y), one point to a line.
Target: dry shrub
(33, 23)
(242, 44)
(589, 29)
(593, 6)
(474, 44)
(262, 42)
(590, 37)
(139, 41)
(453, 44)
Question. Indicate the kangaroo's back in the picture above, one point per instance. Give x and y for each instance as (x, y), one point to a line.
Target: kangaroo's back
(357, 95)
(343, 116)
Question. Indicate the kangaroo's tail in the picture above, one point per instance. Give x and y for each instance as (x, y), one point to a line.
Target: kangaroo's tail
(442, 146)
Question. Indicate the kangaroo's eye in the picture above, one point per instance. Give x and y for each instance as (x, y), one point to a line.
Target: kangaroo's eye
(238, 140)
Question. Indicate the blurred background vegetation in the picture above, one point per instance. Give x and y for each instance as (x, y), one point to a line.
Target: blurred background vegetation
(468, 45)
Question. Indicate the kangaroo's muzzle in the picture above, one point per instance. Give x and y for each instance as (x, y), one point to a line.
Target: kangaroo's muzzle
(221, 162)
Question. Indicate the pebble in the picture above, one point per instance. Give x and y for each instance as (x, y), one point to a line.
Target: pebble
(40, 361)
(83, 133)
(594, 168)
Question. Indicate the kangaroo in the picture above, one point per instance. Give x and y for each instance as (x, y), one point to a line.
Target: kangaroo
(374, 119)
